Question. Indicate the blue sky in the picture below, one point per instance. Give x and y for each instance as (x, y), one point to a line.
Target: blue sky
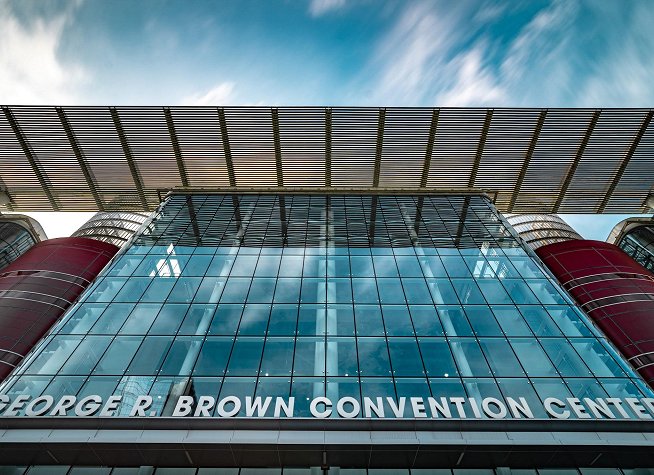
(549, 53)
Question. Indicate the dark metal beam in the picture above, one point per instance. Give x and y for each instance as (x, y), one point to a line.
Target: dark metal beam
(328, 146)
(379, 148)
(178, 151)
(194, 220)
(418, 220)
(3, 187)
(130, 159)
(528, 155)
(238, 217)
(430, 148)
(575, 162)
(320, 190)
(373, 219)
(480, 148)
(226, 147)
(278, 147)
(31, 158)
(625, 161)
(79, 155)
(280, 172)
(462, 221)
(282, 218)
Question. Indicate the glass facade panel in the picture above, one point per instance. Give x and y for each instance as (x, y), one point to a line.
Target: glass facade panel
(357, 296)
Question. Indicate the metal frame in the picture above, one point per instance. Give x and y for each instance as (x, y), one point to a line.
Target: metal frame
(530, 160)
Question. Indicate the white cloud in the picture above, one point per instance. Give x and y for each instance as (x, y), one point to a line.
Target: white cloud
(475, 84)
(539, 66)
(408, 60)
(221, 94)
(439, 53)
(320, 7)
(623, 75)
(32, 71)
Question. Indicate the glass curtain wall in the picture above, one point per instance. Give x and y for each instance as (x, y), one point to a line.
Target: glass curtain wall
(14, 241)
(307, 296)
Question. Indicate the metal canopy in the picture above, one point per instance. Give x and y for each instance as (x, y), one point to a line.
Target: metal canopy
(529, 160)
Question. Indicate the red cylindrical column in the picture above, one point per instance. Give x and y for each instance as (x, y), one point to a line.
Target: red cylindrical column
(614, 290)
(38, 287)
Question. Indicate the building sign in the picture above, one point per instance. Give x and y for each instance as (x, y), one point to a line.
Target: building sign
(322, 407)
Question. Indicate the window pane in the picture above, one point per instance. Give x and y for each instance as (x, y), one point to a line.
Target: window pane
(564, 358)
(236, 290)
(442, 291)
(141, 318)
(596, 357)
(432, 266)
(340, 320)
(339, 290)
(283, 320)
(385, 266)
(378, 387)
(338, 266)
(246, 357)
(373, 357)
(519, 291)
(211, 289)
(311, 320)
(184, 289)
(239, 387)
(437, 357)
(455, 266)
(569, 321)
(83, 319)
(181, 356)
(408, 266)
(262, 290)
(501, 358)
(368, 320)
(304, 390)
(416, 291)
(244, 265)
(511, 321)
(467, 291)
(469, 358)
(213, 356)
(545, 291)
(534, 360)
(341, 357)
(362, 266)
(425, 320)
(540, 321)
(267, 266)
(291, 266)
(118, 355)
(254, 320)
(482, 321)
(159, 289)
(454, 321)
(278, 357)
(197, 320)
(150, 355)
(197, 265)
(365, 291)
(397, 320)
(226, 319)
(494, 292)
(313, 291)
(287, 291)
(309, 357)
(86, 355)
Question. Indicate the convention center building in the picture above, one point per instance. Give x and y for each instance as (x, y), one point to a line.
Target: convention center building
(316, 291)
